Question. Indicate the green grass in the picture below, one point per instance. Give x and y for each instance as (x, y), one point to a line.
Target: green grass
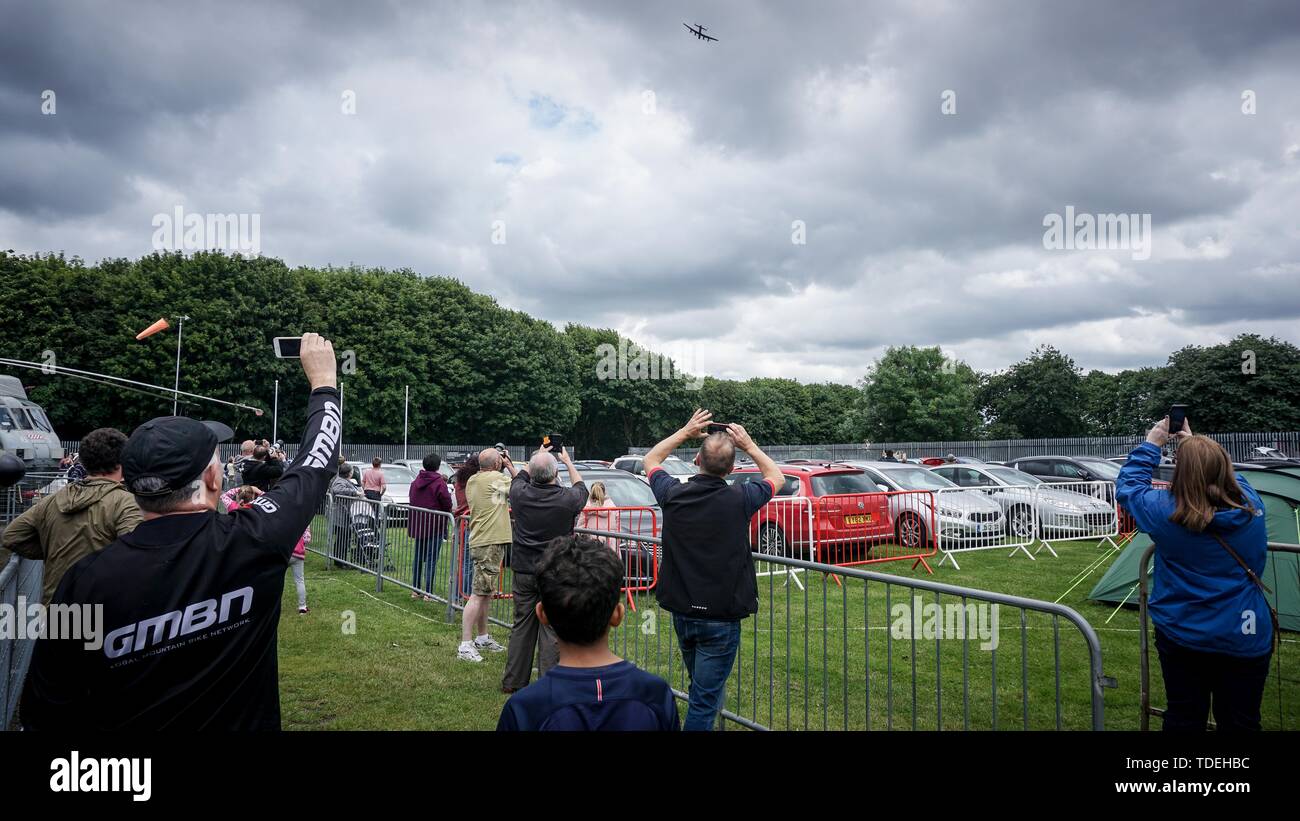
(399, 670)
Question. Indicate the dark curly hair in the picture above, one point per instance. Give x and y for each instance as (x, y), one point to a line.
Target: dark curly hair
(580, 581)
(101, 451)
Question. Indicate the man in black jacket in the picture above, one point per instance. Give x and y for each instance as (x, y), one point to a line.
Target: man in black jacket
(707, 577)
(542, 509)
(191, 600)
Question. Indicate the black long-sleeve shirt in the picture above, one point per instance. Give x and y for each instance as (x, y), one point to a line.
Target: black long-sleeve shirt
(191, 607)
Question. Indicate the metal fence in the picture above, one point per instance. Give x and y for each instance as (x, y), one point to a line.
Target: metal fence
(1147, 711)
(21, 581)
(831, 647)
(854, 649)
(1238, 445)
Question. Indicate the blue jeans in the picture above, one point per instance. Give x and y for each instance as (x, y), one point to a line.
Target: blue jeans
(426, 554)
(708, 653)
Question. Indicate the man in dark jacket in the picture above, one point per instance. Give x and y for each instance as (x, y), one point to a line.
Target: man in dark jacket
(707, 578)
(190, 599)
(542, 509)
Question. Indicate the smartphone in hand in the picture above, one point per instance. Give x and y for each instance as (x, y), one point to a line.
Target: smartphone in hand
(1177, 417)
(288, 347)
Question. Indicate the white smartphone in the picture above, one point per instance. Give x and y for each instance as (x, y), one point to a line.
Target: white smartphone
(288, 347)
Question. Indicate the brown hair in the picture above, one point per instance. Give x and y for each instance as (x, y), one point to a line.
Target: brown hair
(1203, 483)
(246, 494)
(376, 462)
(598, 494)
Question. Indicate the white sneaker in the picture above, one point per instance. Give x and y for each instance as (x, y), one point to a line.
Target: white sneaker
(486, 642)
(468, 653)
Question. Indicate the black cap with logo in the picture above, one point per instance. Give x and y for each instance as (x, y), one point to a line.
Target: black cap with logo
(175, 449)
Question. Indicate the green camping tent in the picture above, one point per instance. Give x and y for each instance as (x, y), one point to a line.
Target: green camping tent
(1281, 573)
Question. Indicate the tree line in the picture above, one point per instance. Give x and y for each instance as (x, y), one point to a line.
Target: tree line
(479, 372)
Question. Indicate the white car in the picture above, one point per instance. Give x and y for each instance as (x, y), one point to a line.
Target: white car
(961, 516)
(399, 479)
(679, 469)
(1032, 505)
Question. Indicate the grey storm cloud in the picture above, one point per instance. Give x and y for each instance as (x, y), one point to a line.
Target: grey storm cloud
(646, 181)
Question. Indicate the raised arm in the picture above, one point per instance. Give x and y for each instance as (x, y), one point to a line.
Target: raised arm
(694, 429)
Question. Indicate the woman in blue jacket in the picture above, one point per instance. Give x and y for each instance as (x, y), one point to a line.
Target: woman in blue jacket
(1214, 631)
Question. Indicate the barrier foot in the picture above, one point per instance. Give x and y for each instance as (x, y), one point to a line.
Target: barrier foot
(631, 603)
(836, 577)
(1042, 545)
(946, 556)
(922, 561)
(1025, 550)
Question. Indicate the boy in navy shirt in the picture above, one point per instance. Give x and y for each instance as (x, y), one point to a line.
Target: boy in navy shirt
(580, 581)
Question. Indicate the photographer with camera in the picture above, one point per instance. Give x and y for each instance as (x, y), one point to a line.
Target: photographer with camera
(707, 577)
(191, 599)
(1215, 630)
(543, 509)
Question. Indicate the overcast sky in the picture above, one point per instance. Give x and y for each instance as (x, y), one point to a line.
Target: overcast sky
(651, 182)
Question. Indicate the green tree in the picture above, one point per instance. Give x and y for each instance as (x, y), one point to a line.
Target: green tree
(915, 394)
(1039, 397)
(1251, 383)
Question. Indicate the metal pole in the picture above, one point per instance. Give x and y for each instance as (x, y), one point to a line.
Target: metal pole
(176, 388)
(275, 414)
(406, 418)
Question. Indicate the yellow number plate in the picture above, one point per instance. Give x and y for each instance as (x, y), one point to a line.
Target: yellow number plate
(858, 520)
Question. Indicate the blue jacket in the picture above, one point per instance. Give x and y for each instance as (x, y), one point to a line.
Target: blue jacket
(1200, 595)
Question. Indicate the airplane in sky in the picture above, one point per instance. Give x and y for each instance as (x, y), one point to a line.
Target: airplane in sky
(699, 30)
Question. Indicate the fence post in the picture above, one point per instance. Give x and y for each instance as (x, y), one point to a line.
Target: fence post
(382, 528)
(453, 576)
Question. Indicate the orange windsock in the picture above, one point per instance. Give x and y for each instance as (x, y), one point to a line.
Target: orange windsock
(160, 325)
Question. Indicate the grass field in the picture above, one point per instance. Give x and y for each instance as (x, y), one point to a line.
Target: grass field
(398, 668)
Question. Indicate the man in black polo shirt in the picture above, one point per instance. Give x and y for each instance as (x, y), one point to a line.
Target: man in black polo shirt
(191, 600)
(706, 579)
(541, 509)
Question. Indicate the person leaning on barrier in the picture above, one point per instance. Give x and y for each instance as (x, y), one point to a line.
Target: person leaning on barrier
(190, 599)
(340, 489)
(1214, 628)
(82, 518)
(543, 510)
(707, 577)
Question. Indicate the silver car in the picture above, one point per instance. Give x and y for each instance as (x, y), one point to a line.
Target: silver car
(961, 516)
(1030, 503)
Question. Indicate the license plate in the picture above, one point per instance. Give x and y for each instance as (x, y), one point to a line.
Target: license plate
(864, 519)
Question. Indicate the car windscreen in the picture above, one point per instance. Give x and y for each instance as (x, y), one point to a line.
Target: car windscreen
(676, 467)
(1015, 477)
(1104, 469)
(916, 478)
(626, 492)
(828, 484)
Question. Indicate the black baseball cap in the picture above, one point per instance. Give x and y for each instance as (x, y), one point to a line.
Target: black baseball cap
(175, 449)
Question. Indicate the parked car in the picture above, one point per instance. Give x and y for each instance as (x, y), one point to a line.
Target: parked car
(1058, 469)
(399, 479)
(1028, 503)
(417, 465)
(961, 515)
(679, 469)
(831, 506)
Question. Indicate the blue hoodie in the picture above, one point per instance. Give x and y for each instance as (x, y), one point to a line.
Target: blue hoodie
(1199, 593)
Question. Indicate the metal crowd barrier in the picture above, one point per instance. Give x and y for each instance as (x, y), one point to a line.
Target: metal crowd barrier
(856, 649)
(19, 578)
(1144, 659)
(985, 518)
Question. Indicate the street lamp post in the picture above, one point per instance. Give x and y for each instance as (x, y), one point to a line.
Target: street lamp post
(176, 388)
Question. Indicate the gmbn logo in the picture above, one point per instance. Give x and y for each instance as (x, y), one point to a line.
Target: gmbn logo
(195, 617)
(326, 443)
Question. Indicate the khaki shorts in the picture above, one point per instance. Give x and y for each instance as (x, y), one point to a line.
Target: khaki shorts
(487, 567)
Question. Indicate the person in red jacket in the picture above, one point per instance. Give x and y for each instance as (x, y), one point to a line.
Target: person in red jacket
(428, 529)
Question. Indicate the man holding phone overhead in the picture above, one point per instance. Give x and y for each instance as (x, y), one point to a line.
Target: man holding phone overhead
(707, 576)
(191, 599)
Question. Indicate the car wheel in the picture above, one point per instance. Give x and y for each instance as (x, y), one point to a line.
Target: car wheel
(910, 531)
(771, 541)
(1020, 522)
